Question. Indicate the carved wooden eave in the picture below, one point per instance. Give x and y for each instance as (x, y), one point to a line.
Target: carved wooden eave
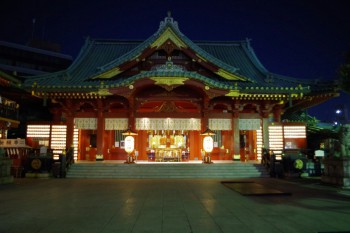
(213, 92)
(236, 95)
(310, 101)
(126, 91)
(167, 106)
(56, 95)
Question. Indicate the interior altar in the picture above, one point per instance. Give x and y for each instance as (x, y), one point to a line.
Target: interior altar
(168, 146)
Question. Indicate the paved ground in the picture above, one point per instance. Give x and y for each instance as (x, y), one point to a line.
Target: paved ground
(181, 206)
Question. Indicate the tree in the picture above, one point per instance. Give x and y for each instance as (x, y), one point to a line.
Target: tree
(344, 74)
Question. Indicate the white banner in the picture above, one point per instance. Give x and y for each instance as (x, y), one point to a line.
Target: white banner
(13, 142)
(220, 124)
(85, 123)
(168, 124)
(249, 124)
(116, 123)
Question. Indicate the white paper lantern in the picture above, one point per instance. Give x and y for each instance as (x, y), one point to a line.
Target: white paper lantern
(129, 144)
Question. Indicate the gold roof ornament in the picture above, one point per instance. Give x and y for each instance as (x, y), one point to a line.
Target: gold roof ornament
(208, 132)
(129, 132)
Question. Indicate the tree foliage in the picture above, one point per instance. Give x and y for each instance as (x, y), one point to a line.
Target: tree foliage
(344, 74)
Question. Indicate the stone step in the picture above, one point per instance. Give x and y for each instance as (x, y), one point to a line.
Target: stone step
(159, 171)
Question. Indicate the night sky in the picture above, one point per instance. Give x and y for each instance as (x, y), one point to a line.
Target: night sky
(301, 39)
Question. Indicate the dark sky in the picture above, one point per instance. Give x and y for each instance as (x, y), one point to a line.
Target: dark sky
(298, 38)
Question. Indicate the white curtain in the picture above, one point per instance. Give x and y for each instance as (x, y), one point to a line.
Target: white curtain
(85, 123)
(220, 124)
(168, 124)
(116, 123)
(249, 124)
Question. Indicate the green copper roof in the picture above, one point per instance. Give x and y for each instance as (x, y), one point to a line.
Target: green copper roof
(99, 56)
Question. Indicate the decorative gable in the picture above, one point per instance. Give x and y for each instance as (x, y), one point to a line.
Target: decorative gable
(167, 38)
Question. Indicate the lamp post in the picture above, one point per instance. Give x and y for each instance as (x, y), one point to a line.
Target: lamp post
(341, 115)
(208, 144)
(129, 144)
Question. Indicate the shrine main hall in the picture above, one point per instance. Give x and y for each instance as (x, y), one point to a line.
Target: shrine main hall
(169, 92)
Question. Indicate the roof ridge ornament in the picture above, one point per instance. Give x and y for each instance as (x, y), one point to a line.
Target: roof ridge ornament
(168, 20)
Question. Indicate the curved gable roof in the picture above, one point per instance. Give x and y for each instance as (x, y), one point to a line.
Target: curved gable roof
(101, 58)
(236, 62)
(168, 30)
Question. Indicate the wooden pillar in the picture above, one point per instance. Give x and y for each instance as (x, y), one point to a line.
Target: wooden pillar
(131, 120)
(195, 147)
(205, 119)
(235, 136)
(266, 109)
(198, 144)
(277, 112)
(100, 130)
(68, 110)
(265, 130)
(70, 131)
(132, 125)
(237, 107)
(56, 114)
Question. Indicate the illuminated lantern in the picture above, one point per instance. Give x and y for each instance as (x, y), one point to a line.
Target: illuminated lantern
(129, 144)
(208, 144)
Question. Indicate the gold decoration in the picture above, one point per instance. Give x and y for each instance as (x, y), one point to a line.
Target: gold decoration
(227, 75)
(207, 132)
(233, 93)
(129, 132)
(36, 164)
(171, 35)
(101, 92)
(168, 124)
(108, 74)
(169, 81)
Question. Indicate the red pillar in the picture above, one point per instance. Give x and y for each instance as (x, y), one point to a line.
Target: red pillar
(70, 130)
(277, 112)
(235, 136)
(100, 130)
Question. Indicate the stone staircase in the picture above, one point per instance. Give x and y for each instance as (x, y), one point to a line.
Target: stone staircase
(166, 170)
